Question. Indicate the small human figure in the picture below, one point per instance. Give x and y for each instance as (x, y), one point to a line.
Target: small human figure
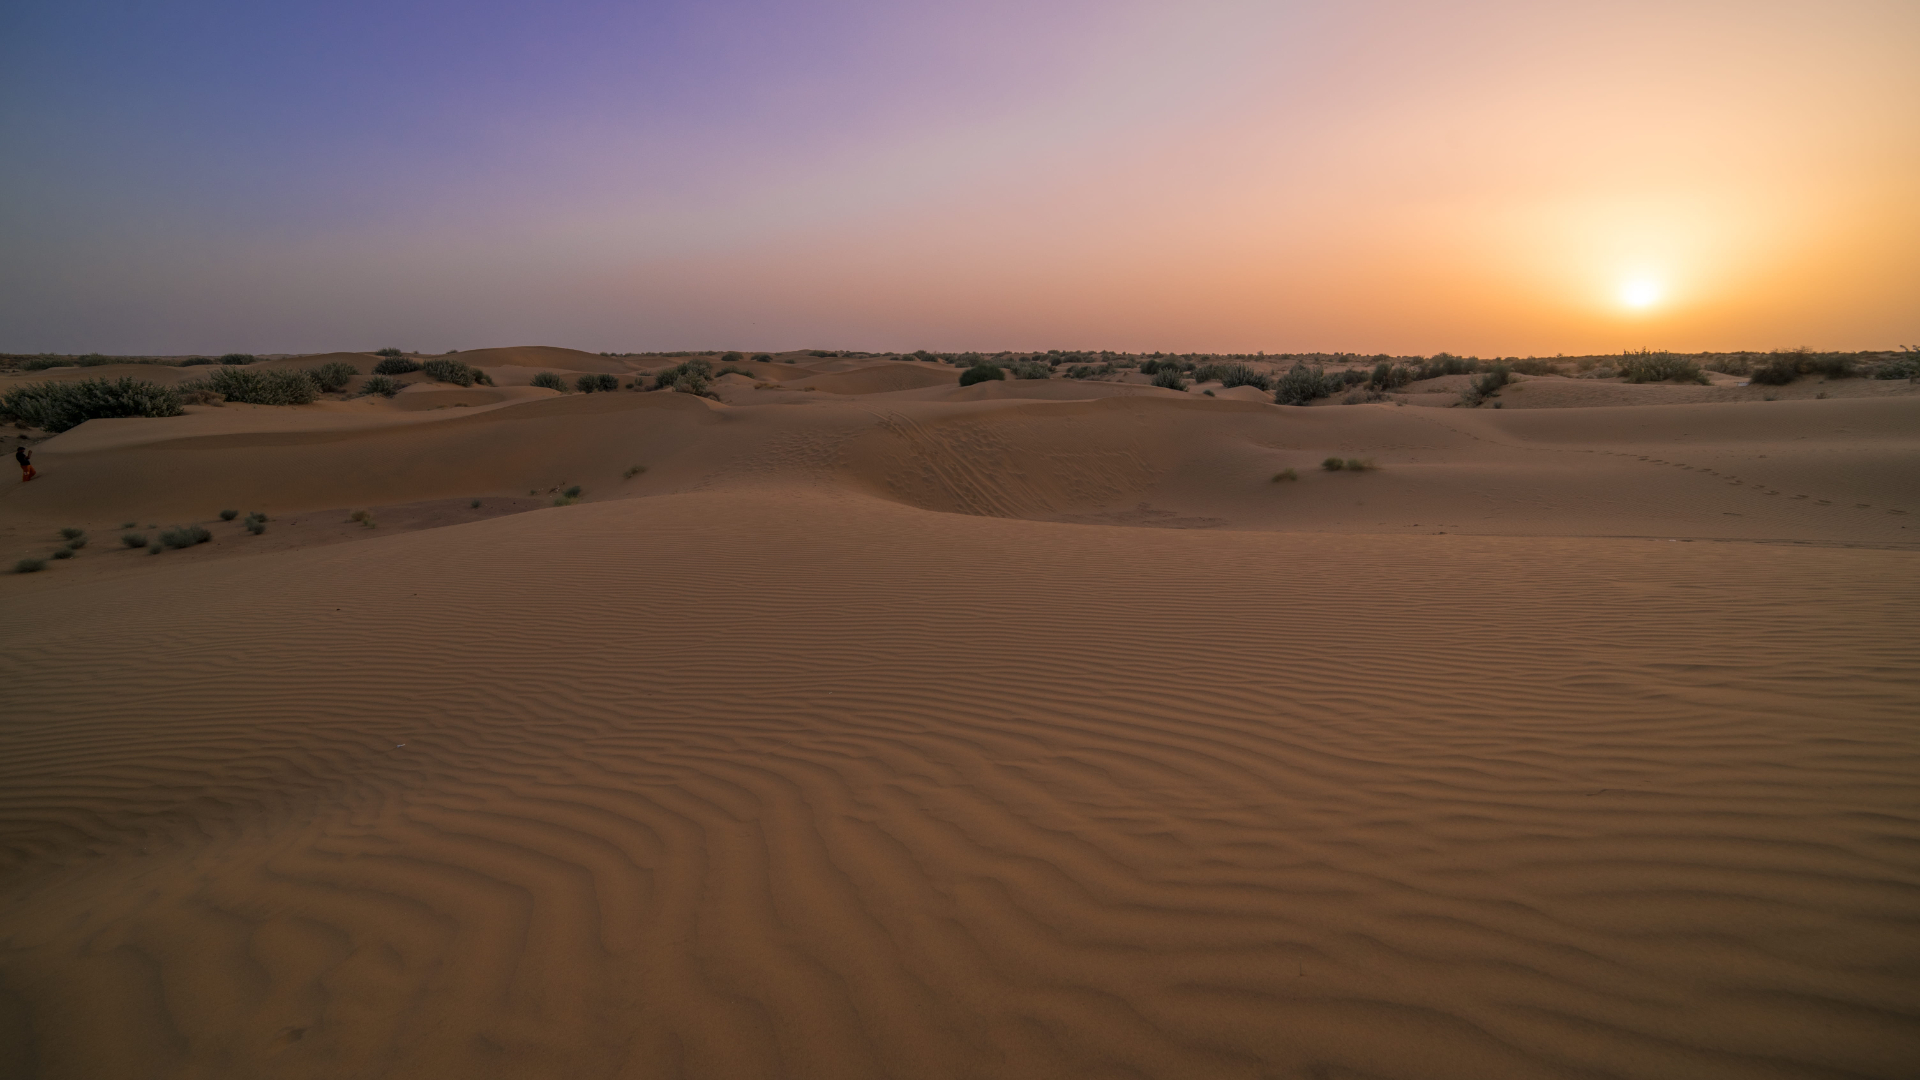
(25, 457)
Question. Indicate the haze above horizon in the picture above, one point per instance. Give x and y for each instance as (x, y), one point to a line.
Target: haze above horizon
(1491, 178)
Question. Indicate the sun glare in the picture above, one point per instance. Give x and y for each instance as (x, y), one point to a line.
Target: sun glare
(1640, 293)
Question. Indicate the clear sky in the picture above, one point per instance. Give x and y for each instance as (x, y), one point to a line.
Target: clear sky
(1484, 177)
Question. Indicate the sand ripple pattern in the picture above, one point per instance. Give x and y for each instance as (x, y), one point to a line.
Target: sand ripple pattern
(727, 785)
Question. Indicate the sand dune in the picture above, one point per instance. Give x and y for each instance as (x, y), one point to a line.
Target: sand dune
(878, 734)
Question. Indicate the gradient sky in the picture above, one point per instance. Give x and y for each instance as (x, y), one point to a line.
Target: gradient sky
(1481, 177)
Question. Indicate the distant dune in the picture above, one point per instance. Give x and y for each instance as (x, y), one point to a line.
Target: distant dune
(853, 723)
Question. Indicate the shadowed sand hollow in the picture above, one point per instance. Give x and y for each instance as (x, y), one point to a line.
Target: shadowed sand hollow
(892, 729)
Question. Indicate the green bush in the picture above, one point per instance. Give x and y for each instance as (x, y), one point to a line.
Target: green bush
(1334, 464)
(185, 536)
(134, 540)
(1387, 376)
(1532, 366)
(1302, 385)
(229, 515)
(633, 471)
(333, 376)
(1486, 385)
(256, 526)
(693, 377)
(388, 351)
(761, 357)
(1028, 369)
(455, 372)
(1355, 464)
(63, 553)
(572, 492)
(29, 566)
(1906, 366)
(1447, 364)
(980, 373)
(1780, 369)
(1169, 378)
(588, 384)
(155, 548)
(239, 359)
(384, 385)
(1241, 375)
(58, 407)
(395, 364)
(71, 533)
(549, 380)
(198, 361)
(1648, 366)
(77, 542)
(732, 358)
(1285, 474)
(259, 386)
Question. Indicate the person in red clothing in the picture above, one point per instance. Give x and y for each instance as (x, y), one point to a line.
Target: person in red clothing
(21, 455)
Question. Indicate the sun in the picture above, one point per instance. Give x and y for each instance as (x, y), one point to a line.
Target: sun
(1640, 293)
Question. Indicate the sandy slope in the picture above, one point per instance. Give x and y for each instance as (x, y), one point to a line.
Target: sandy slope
(886, 735)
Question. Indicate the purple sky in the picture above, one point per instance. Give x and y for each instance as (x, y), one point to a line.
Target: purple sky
(1480, 176)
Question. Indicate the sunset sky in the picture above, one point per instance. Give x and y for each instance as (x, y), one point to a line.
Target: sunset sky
(1479, 177)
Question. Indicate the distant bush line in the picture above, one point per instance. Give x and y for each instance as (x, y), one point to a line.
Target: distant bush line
(58, 407)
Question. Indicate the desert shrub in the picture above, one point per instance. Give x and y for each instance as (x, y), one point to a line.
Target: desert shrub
(761, 357)
(1447, 364)
(1904, 366)
(1301, 385)
(76, 542)
(155, 548)
(1029, 369)
(185, 536)
(129, 524)
(396, 365)
(134, 540)
(1531, 366)
(1387, 376)
(572, 492)
(443, 370)
(695, 376)
(256, 526)
(1334, 464)
(261, 386)
(549, 380)
(229, 515)
(820, 352)
(1355, 464)
(57, 407)
(1487, 385)
(1285, 474)
(1648, 366)
(633, 471)
(1779, 369)
(1352, 376)
(732, 358)
(1738, 366)
(333, 375)
(1169, 377)
(1242, 375)
(71, 533)
(388, 351)
(1829, 365)
(588, 384)
(239, 359)
(63, 553)
(981, 373)
(384, 385)
(29, 566)
(198, 361)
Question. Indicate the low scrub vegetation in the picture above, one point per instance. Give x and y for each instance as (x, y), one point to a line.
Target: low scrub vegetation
(239, 359)
(384, 385)
(29, 566)
(694, 376)
(1285, 475)
(588, 384)
(229, 515)
(63, 553)
(549, 380)
(388, 351)
(1169, 378)
(184, 536)
(134, 540)
(260, 386)
(1302, 385)
(633, 471)
(1648, 366)
(1486, 386)
(333, 376)
(57, 407)
(1030, 369)
(395, 364)
(443, 370)
(980, 373)
(1905, 366)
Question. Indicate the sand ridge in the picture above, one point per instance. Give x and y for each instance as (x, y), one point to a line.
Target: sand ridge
(1035, 732)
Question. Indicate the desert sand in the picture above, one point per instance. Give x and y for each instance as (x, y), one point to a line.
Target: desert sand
(880, 727)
